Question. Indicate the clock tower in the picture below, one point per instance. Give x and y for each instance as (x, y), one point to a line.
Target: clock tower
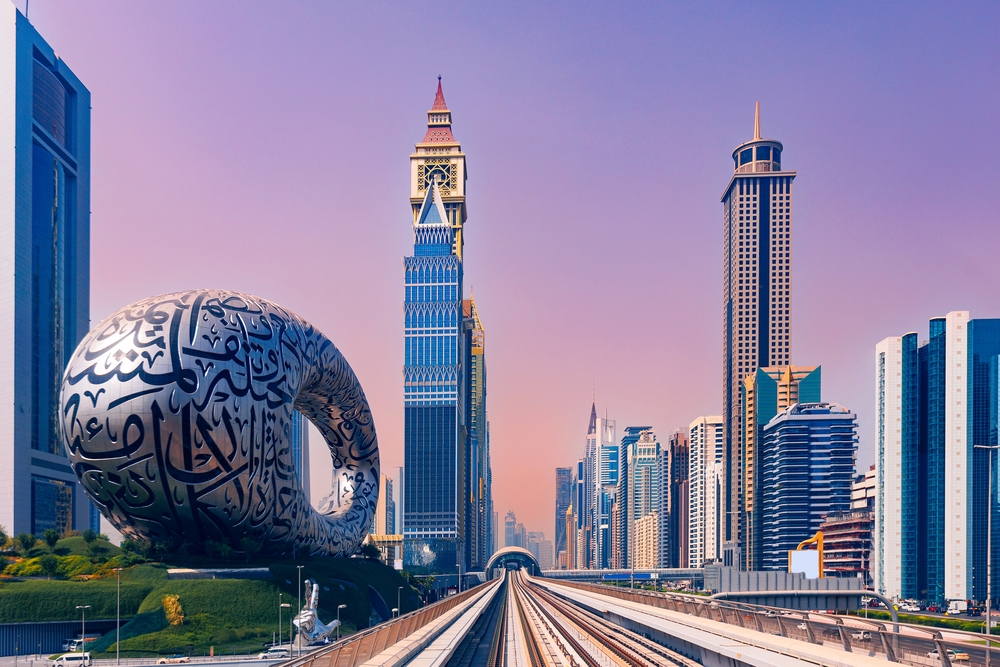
(439, 158)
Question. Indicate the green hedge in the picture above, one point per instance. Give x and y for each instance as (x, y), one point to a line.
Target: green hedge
(234, 602)
(140, 624)
(33, 601)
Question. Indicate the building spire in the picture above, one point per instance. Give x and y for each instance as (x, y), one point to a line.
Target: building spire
(439, 104)
(756, 116)
(593, 419)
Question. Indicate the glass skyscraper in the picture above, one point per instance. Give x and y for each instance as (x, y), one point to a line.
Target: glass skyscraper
(763, 395)
(45, 281)
(434, 382)
(807, 463)
(479, 476)
(935, 401)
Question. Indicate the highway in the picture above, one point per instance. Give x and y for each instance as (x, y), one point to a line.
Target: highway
(521, 621)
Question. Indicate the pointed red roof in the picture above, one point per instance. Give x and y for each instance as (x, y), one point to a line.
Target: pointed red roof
(439, 104)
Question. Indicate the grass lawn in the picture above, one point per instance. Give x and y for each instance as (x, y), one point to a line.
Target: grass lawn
(231, 615)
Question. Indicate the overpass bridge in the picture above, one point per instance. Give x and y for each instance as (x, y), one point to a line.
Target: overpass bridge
(516, 620)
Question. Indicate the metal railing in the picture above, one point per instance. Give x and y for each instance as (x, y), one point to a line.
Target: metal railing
(910, 644)
(362, 646)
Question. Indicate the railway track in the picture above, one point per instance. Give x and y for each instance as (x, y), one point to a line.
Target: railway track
(560, 634)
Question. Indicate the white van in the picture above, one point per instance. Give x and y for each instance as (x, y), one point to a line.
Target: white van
(274, 653)
(73, 660)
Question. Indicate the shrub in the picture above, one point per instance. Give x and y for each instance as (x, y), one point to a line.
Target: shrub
(3, 536)
(49, 564)
(89, 535)
(51, 536)
(172, 608)
(371, 552)
(251, 547)
(26, 540)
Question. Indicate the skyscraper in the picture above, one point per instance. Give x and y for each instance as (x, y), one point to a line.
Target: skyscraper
(434, 384)
(642, 494)
(44, 274)
(807, 459)
(510, 529)
(756, 302)
(397, 498)
(564, 497)
(935, 401)
(624, 529)
(763, 395)
(479, 480)
(706, 480)
(384, 521)
(679, 466)
(603, 464)
(298, 440)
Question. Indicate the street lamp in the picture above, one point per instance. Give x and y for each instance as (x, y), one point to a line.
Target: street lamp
(989, 549)
(83, 629)
(399, 603)
(300, 602)
(118, 619)
(339, 607)
(281, 605)
(395, 612)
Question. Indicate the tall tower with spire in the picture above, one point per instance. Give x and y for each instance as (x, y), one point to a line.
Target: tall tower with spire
(756, 298)
(436, 445)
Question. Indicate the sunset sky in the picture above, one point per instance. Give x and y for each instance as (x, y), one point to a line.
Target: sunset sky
(264, 147)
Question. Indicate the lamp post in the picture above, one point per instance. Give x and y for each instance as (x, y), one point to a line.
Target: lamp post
(83, 629)
(281, 605)
(395, 612)
(989, 549)
(339, 607)
(399, 604)
(300, 602)
(118, 619)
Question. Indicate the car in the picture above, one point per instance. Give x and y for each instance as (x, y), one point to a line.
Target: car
(862, 635)
(174, 659)
(73, 660)
(953, 655)
(274, 653)
(802, 626)
(933, 609)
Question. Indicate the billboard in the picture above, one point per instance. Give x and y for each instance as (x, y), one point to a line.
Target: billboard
(806, 562)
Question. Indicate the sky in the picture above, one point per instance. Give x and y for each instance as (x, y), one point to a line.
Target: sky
(264, 147)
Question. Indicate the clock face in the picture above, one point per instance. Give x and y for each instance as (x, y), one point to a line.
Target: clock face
(440, 170)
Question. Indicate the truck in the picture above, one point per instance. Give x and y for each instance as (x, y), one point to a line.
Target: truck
(957, 607)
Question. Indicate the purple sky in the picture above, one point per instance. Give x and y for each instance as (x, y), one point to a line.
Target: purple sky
(263, 147)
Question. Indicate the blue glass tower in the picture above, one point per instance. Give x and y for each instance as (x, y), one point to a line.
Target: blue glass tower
(807, 462)
(937, 405)
(44, 274)
(434, 384)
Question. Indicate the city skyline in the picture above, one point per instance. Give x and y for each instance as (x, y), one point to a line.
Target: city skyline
(157, 165)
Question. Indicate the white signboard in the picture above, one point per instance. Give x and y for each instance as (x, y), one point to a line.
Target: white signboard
(806, 562)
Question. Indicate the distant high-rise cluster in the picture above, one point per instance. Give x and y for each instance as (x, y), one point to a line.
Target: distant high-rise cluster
(447, 501)
(742, 488)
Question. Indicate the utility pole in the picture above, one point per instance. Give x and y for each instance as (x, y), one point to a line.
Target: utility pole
(300, 604)
(989, 551)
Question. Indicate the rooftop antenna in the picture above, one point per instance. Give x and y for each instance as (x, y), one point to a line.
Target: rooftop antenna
(756, 122)
(26, 8)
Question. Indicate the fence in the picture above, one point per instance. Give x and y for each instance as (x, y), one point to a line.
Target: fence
(46, 638)
(895, 642)
(361, 647)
